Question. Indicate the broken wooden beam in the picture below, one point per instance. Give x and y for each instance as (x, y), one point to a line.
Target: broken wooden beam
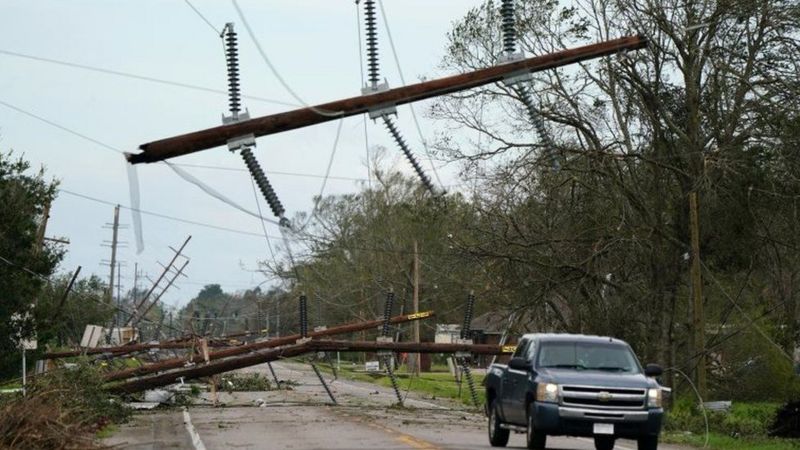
(299, 118)
(272, 343)
(212, 368)
(297, 349)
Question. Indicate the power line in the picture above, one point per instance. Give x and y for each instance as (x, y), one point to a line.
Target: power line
(162, 216)
(60, 127)
(138, 77)
(410, 105)
(270, 172)
(74, 293)
(274, 70)
(199, 14)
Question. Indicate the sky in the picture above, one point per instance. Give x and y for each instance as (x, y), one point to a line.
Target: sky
(312, 43)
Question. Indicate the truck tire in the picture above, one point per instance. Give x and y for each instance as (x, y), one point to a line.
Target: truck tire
(535, 439)
(647, 443)
(498, 437)
(604, 442)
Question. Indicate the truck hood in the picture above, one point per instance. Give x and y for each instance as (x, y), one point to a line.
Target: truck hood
(596, 378)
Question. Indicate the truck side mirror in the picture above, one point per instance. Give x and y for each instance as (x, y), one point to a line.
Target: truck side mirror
(518, 363)
(653, 370)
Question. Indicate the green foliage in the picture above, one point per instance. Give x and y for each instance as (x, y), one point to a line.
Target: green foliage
(23, 196)
(244, 382)
(747, 420)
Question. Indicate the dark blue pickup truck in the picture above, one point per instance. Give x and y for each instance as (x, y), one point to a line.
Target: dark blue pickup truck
(574, 385)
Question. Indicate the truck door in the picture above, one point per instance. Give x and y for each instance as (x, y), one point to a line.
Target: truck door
(513, 381)
(522, 386)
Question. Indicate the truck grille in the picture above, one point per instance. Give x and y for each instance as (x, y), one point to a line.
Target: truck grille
(603, 397)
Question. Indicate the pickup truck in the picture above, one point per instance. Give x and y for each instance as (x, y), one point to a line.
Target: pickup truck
(574, 385)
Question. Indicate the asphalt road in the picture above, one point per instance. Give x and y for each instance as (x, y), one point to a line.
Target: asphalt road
(302, 418)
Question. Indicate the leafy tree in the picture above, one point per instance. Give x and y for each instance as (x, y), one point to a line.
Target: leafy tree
(26, 259)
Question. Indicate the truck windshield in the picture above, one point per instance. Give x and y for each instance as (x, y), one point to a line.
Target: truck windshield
(587, 356)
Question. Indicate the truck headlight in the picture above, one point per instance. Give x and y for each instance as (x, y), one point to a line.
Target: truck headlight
(547, 392)
(654, 398)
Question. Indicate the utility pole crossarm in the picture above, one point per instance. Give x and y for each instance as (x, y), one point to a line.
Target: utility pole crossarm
(299, 118)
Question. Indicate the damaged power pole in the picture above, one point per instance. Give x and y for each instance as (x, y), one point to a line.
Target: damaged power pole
(303, 117)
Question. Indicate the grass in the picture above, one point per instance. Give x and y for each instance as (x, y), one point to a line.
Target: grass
(107, 431)
(433, 384)
(718, 441)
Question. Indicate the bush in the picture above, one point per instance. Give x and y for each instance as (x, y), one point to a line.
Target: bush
(63, 410)
(743, 419)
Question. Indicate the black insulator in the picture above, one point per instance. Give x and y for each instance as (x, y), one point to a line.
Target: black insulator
(468, 312)
(387, 313)
(263, 183)
(371, 29)
(471, 384)
(398, 138)
(232, 60)
(508, 26)
(303, 316)
(538, 123)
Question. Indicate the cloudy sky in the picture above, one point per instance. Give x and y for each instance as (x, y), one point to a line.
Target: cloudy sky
(312, 43)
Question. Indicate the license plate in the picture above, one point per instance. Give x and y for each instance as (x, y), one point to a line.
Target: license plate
(604, 428)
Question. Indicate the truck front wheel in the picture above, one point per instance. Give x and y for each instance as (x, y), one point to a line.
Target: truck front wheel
(648, 443)
(535, 439)
(498, 437)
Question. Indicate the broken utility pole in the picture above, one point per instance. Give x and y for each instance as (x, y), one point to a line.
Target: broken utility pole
(260, 357)
(303, 117)
(272, 343)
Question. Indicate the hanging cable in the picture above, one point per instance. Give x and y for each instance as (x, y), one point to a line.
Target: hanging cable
(410, 105)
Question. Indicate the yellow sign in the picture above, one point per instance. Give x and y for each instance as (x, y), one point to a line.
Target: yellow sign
(509, 348)
(420, 315)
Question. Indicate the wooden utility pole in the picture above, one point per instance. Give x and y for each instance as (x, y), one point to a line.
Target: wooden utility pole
(415, 361)
(698, 316)
(290, 120)
(115, 228)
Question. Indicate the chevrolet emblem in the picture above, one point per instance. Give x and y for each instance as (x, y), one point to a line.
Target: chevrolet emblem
(604, 396)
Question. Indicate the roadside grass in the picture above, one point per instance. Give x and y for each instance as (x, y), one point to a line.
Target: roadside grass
(717, 441)
(432, 384)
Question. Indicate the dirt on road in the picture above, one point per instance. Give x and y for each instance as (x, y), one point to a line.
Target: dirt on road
(304, 418)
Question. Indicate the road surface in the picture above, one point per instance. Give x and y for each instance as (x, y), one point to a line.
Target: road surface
(303, 419)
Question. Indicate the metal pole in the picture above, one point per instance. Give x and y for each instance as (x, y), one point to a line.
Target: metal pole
(113, 254)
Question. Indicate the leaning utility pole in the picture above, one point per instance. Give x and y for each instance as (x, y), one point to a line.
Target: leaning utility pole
(42, 228)
(698, 315)
(136, 316)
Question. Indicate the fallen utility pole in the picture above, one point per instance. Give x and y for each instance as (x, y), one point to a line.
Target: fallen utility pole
(409, 347)
(272, 343)
(299, 118)
(265, 356)
(130, 348)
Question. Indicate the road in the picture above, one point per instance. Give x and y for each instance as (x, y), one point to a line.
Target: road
(302, 418)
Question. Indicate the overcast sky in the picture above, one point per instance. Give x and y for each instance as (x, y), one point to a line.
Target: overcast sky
(314, 45)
